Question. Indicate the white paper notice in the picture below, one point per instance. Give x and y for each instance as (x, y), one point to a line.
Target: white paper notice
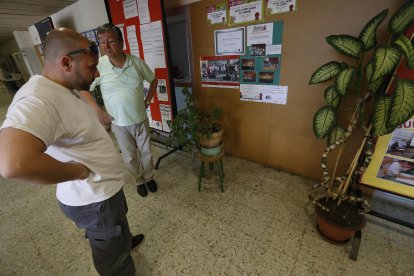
(130, 8)
(277, 6)
(143, 10)
(260, 34)
(156, 125)
(165, 116)
(132, 40)
(121, 27)
(264, 93)
(246, 12)
(162, 94)
(274, 94)
(274, 49)
(153, 44)
(217, 17)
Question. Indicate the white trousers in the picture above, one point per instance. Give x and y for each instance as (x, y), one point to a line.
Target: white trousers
(134, 143)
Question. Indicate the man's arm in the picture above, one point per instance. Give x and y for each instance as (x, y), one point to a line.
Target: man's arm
(22, 157)
(103, 116)
(151, 91)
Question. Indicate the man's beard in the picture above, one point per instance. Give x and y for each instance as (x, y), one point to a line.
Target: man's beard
(80, 83)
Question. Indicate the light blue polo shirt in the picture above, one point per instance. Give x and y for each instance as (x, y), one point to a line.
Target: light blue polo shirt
(123, 90)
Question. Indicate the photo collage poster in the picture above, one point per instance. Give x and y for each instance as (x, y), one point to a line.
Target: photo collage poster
(392, 164)
(261, 63)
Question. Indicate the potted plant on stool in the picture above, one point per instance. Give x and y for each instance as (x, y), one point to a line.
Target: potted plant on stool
(192, 129)
(377, 110)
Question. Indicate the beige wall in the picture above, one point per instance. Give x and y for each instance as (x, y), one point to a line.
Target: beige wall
(281, 136)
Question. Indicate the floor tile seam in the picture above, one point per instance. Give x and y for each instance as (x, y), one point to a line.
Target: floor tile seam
(307, 265)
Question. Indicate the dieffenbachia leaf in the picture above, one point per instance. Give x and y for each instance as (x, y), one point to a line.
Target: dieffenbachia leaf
(386, 60)
(343, 80)
(368, 35)
(323, 121)
(374, 85)
(402, 19)
(346, 44)
(332, 97)
(402, 103)
(325, 72)
(380, 116)
(335, 134)
(405, 44)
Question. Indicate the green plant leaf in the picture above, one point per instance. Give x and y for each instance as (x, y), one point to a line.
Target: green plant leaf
(346, 44)
(386, 60)
(368, 34)
(332, 97)
(323, 121)
(375, 85)
(405, 44)
(402, 103)
(335, 134)
(344, 79)
(402, 19)
(380, 116)
(325, 72)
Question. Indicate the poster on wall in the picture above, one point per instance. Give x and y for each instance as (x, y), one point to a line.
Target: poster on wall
(229, 41)
(244, 11)
(165, 116)
(279, 6)
(132, 40)
(130, 8)
(220, 71)
(260, 34)
(91, 36)
(261, 64)
(143, 11)
(217, 14)
(392, 165)
(274, 94)
(162, 94)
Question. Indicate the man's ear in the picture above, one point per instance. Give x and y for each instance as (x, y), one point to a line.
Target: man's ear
(66, 63)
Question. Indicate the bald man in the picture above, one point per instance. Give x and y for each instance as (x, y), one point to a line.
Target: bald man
(51, 136)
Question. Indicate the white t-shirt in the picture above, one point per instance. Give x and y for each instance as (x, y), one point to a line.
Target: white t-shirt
(71, 131)
(394, 169)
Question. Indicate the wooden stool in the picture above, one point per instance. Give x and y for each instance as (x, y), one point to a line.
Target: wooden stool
(211, 160)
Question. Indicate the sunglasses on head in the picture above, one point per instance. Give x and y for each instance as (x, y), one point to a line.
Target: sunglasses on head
(94, 49)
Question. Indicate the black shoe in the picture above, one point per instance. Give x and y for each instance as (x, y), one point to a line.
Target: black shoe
(137, 240)
(142, 190)
(152, 186)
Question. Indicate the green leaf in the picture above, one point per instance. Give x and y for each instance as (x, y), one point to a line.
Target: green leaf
(375, 85)
(368, 34)
(402, 19)
(402, 103)
(335, 134)
(379, 119)
(405, 44)
(386, 60)
(325, 72)
(332, 97)
(344, 80)
(323, 121)
(346, 44)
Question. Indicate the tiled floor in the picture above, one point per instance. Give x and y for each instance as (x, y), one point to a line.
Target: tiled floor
(261, 225)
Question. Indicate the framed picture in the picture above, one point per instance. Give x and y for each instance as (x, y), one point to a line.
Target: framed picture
(248, 63)
(230, 41)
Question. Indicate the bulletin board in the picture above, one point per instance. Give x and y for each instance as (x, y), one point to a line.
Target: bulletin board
(142, 24)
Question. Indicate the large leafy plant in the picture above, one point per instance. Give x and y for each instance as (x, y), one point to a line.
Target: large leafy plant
(364, 81)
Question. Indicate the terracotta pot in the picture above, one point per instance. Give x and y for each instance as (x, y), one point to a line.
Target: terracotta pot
(214, 140)
(333, 231)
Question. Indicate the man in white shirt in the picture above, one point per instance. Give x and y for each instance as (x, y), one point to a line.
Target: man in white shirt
(51, 136)
(397, 167)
